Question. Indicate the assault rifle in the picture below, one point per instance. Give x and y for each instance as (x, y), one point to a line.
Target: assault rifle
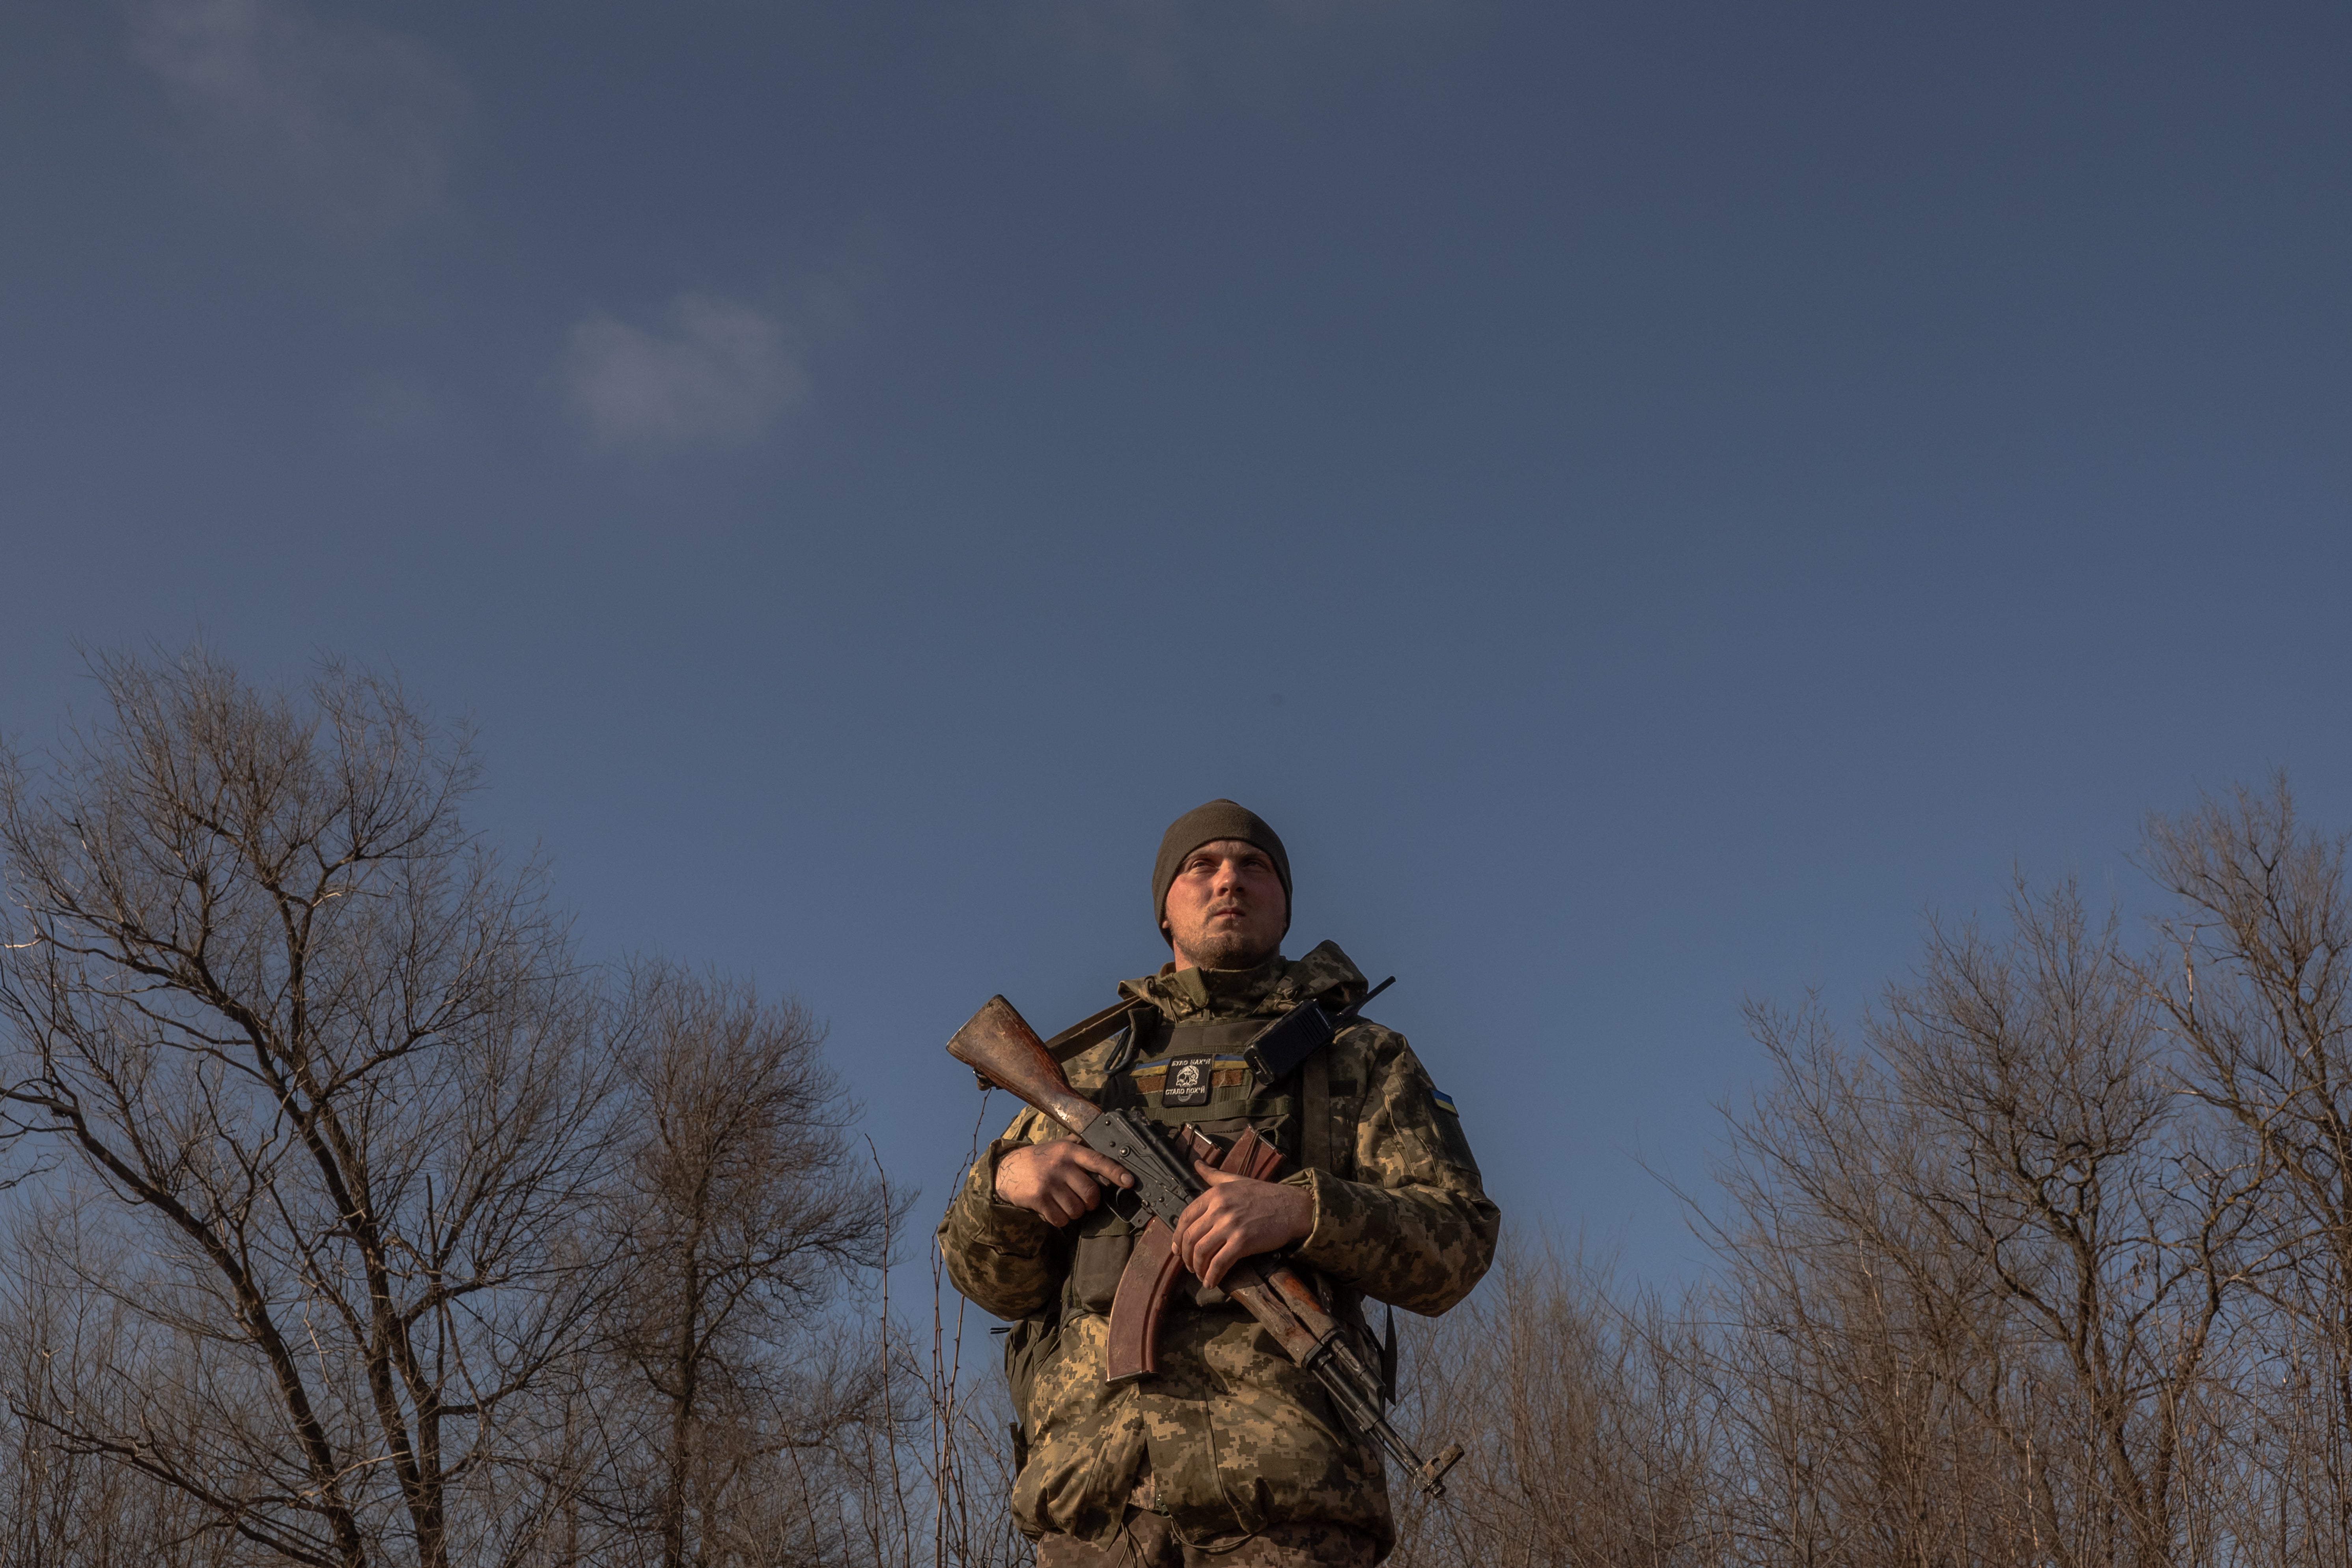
(999, 1045)
(1273, 1054)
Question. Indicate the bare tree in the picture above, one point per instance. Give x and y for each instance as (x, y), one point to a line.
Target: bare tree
(1988, 1263)
(59, 1506)
(2056, 1268)
(326, 1056)
(2255, 980)
(1591, 1432)
(1857, 1354)
(2089, 1193)
(743, 1210)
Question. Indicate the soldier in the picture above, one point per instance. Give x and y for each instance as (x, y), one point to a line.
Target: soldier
(1230, 1454)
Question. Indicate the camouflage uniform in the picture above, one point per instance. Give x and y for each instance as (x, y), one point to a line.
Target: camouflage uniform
(1231, 1438)
(1151, 1541)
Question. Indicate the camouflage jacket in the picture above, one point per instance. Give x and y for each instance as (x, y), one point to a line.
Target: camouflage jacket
(1231, 1435)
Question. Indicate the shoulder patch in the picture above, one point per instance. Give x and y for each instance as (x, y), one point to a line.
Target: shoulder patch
(1449, 1129)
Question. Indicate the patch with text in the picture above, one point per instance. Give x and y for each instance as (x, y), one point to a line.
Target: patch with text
(1188, 1082)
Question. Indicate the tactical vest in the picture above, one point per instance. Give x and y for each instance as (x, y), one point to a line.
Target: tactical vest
(1188, 1073)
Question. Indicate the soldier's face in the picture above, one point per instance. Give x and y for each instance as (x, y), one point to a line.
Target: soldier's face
(1226, 909)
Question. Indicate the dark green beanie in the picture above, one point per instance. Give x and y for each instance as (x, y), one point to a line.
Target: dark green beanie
(1206, 825)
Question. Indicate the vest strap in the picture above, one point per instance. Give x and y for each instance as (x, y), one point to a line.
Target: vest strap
(1315, 1112)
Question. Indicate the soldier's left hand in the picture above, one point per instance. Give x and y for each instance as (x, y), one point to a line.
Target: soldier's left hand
(1238, 1218)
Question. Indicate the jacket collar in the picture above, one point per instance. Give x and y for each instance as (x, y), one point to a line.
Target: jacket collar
(1271, 988)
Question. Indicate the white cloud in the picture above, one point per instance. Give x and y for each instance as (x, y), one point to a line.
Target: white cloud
(722, 372)
(347, 125)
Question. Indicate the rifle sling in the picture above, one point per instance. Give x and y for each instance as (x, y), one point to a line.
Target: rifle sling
(1090, 1031)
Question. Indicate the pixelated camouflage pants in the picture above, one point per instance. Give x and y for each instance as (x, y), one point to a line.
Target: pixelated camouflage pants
(1150, 1540)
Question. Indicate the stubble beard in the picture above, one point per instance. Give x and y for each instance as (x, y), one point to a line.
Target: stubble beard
(1234, 949)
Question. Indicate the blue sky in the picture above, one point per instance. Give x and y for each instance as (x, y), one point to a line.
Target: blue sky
(1650, 500)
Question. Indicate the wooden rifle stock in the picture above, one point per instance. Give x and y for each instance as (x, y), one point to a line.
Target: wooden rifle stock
(998, 1044)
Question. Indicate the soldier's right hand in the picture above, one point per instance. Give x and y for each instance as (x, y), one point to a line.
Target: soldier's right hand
(1057, 1181)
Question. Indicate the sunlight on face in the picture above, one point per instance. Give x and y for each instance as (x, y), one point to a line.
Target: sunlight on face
(1226, 909)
